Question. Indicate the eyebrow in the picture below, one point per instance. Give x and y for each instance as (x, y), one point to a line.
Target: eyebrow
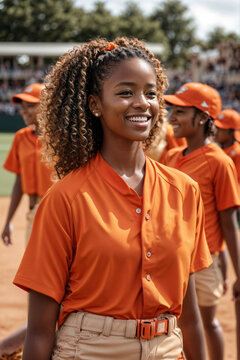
(128, 83)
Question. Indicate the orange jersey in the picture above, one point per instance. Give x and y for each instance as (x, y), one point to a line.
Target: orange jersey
(24, 159)
(217, 179)
(98, 246)
(234, 153)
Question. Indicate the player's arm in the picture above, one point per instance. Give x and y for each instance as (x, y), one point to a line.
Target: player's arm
(229, 226)
(15, 200)
(191, 325)
(42, 317)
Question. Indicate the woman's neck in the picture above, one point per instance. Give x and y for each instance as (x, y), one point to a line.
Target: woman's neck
(125, 160)
(194, 144)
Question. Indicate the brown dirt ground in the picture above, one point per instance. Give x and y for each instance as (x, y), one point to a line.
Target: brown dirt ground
(13, 301)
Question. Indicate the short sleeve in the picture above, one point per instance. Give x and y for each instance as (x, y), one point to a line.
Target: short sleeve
(201, 257)
(12, 162)
(48, 256)
(226, 186)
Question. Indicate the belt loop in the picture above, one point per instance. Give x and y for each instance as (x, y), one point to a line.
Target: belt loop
(107, 327)
(131, 329)
(79, 319)
(172, 322)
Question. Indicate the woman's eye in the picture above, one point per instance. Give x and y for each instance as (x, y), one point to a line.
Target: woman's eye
(151, 94)
(125, 93)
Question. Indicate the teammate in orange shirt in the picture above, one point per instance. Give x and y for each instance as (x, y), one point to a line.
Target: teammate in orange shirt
(194, 106)
(227, 122)
(164, 142)
(24, 159)
(32, 178)
(115, 241)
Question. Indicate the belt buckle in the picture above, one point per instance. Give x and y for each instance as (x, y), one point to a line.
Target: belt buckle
(146, 329)
(161, 326)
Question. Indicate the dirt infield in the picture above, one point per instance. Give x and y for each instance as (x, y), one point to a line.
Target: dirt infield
(13, 301)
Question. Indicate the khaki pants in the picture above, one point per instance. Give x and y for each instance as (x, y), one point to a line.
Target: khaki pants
(86, 336)
(209, 284)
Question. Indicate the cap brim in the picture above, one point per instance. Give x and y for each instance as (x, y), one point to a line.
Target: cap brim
(221, 125)
(237, 135)
(175, 100)
(24, 97)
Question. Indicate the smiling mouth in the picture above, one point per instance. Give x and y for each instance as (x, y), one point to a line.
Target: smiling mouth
(138, 119)
(176, 126)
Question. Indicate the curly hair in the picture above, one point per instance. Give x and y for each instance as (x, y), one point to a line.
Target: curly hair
(69, 131)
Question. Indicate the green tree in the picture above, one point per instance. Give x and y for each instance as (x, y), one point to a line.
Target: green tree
(99, 22)
(132, 23)
(179, 29)
(217, 36)
(31, 20)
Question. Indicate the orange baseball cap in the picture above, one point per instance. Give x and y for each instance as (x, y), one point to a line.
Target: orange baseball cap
(228, 119)
(201, 96)
(30, 94)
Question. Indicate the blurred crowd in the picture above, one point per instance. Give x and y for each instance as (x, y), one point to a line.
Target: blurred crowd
(221, 70)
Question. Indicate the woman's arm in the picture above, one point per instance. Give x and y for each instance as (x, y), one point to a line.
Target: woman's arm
(15, 200)
(191, 325)
(42, 317)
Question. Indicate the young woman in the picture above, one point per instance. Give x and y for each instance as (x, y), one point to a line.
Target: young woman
(33, 178)
(194, 106)
(115, 240)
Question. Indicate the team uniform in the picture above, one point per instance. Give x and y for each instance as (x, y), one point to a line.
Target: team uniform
(213, 171)
(129, 247)
(24, 159)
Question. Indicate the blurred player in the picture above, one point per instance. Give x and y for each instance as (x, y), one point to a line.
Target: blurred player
(33, 178)
(194, 106)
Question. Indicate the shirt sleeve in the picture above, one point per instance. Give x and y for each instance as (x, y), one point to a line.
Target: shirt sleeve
(226, 186)
(48, 256)
(12, 162)
(201, 257)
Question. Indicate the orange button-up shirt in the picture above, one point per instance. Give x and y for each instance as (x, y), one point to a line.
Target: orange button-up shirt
(25, 160)
(217, 179)
(97, 246)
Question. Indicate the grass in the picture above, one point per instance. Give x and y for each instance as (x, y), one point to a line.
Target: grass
(6, 177)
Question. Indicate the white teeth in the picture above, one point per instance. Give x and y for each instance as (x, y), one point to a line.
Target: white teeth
(138, 118)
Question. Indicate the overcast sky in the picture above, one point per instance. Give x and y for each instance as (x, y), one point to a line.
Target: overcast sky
(207, 14)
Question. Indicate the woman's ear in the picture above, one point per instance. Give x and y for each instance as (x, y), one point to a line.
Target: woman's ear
(203, 118)
(94, 105)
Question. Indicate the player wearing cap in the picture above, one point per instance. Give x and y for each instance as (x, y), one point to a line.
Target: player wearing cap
(227, 122)
(33, 178)
(194, 106)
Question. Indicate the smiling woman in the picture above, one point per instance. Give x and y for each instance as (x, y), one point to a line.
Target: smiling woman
(115, 240)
